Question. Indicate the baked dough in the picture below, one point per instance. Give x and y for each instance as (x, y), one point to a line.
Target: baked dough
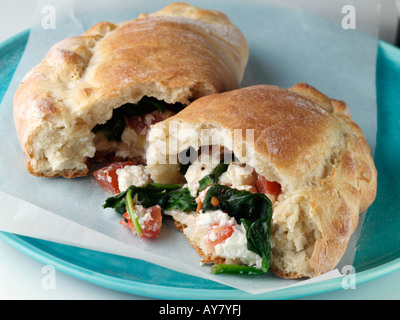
(303, 140)
(177, 54)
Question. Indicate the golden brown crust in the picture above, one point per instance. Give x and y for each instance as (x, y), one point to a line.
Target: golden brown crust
(311, 146)
(181, 9)
(177, 54)
(54, 174)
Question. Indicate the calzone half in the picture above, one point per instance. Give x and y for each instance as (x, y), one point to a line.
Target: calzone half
(279, 177)
(95, 96)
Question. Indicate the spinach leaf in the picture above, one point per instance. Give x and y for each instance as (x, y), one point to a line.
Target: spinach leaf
(253, 210)
(168, 200)
(149, 194)
(152, 103)
(213, 177)
(132, 212)
(181, 200)
(113, 128)
(186, 158)
(235, 269)
(166, 196)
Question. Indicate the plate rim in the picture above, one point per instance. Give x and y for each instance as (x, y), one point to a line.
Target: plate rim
(164, 292)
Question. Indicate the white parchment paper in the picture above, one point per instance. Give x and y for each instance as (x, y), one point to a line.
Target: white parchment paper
(293, 42)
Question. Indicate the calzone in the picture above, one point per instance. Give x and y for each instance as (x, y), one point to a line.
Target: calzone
(94, 96)
(280, 177)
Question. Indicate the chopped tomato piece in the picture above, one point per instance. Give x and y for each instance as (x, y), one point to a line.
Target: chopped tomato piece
(142, 123)
(138, 123)
(107, 177)
(219, 233)
(268, 187)
(126, 221)
(253, 190)
(152, 224)
(150, 220)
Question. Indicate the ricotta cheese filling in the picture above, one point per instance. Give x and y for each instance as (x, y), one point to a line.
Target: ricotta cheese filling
(238, 176)
(201, 167)
(204, 227)
(229, 238)
(234, 247)
(214, 231)
(136, 175)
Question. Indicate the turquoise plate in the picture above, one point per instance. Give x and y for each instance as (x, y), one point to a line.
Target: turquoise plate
(377, 255)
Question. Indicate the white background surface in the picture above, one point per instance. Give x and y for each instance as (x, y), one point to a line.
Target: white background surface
(21, 276)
